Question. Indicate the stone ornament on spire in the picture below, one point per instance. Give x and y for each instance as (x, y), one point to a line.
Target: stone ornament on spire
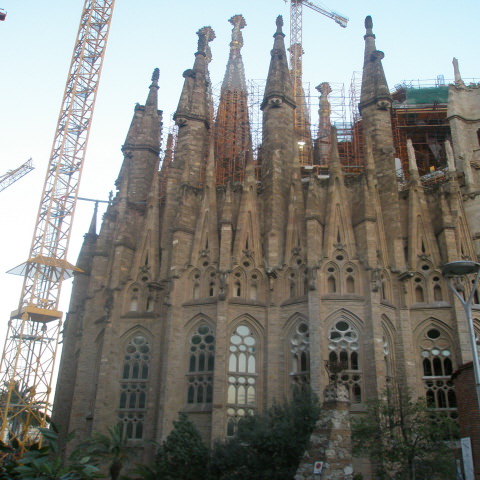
(279, 23)
(238, 23)
(324, 127)
(456, 71)
(369, 27)
(155, 77)
(205, 36)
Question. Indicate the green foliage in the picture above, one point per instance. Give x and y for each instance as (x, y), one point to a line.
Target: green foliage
(183, 455)
(47, 463)
(267, 445)
(405, 440)
(111, 448)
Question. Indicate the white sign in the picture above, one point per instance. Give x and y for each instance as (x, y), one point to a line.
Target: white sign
(317, 467)
(467, 458)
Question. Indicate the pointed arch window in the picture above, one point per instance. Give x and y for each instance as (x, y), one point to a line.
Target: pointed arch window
(292, 284)
(418, 290)
(437, 288)
(344, 349)
(388, 356)
(349, 272)
(331, 284)
(332, 279)
(242, 377)
(150, 304)
(238, 284)
(200, 366)
(133, 386)
(134, 299)
(350, 284)
(300, 355)
(437, 366)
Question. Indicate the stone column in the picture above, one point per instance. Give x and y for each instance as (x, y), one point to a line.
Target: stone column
(330, 441)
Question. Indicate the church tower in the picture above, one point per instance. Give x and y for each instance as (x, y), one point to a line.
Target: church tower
(220, 281)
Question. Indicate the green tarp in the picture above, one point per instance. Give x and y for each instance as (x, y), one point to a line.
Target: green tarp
(419, 96)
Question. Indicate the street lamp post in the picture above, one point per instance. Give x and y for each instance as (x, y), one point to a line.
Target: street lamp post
(452, 271)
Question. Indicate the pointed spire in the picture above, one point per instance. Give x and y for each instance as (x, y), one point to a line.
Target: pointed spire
(456, 71)
(374, 84)
(93, 224)
(152, 100)
(194, 102)
(335, 165)
(232, 127)
(146, 122)
(279, 86)
(141, 148)
(85, 256)
(235, 73)
(412, 163)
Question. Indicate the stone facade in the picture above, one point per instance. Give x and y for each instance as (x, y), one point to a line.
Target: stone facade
(214, 293)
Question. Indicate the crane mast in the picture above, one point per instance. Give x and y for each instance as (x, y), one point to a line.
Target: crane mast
(13, 175)
(28, 358)
(302, 123)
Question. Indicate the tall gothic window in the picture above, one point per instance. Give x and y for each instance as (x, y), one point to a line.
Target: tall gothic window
(242, 377)
(344, 346)
(300, 355)
(133, 387)
(200, 366)
(437, 367)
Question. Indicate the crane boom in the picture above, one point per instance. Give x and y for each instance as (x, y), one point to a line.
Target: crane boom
(13, 175)
(28, 357)
(340, 19)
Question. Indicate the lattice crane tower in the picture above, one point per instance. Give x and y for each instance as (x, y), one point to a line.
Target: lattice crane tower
(296, 51)
(28, 358)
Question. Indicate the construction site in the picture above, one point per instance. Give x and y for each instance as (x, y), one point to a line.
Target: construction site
(274, 227)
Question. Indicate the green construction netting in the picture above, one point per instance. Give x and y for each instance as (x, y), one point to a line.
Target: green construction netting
(418, 96)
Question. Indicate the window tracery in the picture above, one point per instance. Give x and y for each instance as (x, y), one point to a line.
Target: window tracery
(300, 355)
(437, 366)
(344, 356)
(133, 386)
(200, 365)
(242, 376)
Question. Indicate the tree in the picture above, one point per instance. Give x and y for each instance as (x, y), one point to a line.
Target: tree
(111, 448)
(48, 463)
(183, 455)
(267, 445)
(404, 439)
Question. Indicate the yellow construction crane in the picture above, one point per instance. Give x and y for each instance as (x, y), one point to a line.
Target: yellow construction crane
(13, 175)
(28, 358)
(296, 52)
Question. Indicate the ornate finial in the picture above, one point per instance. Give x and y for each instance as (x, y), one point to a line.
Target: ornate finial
(279, 23)
(205, 35)
(238, 23)
(324, 89)
(369, 27)
(155, 76)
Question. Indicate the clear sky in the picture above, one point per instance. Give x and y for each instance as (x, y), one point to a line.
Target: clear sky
(419, 39)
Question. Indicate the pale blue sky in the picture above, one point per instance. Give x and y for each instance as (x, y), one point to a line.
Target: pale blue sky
(419, 39)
